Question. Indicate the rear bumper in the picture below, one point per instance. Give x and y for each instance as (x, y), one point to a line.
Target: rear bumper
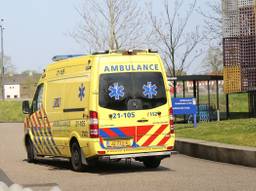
(163, 154)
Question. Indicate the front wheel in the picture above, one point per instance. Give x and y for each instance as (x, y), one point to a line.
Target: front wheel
(76, 159)
(151, 162)
(30, 151)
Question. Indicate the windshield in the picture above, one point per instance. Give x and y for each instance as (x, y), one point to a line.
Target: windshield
(132, 91)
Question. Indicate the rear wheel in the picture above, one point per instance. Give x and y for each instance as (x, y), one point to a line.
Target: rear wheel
(30, 151)
(76, 160)
(151, 162)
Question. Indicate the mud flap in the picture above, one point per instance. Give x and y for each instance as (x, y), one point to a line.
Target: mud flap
(84, 162)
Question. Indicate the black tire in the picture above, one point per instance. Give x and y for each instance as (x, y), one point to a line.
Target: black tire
(151, 162)
(76, 160)
(30, 151)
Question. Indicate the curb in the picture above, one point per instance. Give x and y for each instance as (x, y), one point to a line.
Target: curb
(219, 152)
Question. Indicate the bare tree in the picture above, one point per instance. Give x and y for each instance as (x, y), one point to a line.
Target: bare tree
(178, 47)
(9, 68)
(213, 62)
(110, 24)
(213, 22)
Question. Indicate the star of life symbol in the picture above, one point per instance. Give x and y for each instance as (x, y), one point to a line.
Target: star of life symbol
(81, 92)
(149, 90)
(116, 91)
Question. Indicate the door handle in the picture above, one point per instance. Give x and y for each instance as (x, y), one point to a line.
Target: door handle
(142, 121)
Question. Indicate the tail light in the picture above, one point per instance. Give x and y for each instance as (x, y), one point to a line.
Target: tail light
(170, 148)
(94, 124)
(101, 152)
(171, 122)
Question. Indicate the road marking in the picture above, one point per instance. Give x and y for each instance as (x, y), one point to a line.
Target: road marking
(40, 185)
(4, 178)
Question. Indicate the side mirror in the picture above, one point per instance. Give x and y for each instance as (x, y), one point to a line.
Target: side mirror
(25, 107)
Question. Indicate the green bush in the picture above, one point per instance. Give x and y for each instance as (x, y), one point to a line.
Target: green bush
(11, 111)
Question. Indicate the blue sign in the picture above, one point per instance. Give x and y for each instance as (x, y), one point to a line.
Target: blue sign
(184, 106)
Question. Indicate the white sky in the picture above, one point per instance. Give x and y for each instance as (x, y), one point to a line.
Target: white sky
(38, 30)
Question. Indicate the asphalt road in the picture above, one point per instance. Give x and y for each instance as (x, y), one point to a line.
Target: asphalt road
(177, 173)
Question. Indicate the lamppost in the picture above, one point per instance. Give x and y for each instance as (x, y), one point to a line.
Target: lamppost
(2, 57)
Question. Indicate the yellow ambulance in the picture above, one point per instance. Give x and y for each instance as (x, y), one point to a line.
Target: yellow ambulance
(110, 105)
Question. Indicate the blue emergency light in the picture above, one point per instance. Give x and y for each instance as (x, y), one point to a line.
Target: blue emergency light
(63, 57)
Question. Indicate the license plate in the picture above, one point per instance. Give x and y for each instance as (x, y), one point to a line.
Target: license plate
(119, 143)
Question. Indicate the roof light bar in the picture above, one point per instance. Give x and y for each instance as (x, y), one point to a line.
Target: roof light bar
(130, 51)
(63, 57)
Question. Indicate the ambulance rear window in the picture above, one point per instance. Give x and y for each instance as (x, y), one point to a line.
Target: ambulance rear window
(132, 91)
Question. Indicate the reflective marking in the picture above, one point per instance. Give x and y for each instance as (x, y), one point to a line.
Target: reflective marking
(143, 135)
(36, 131)
(110, 133)
(161, 135)
(45, 116)
(48, 127)
(163, 141)
(104, 134)
(40, 129)
(44, 141)
(45, 137)
(34, 137)
(33, 142)
(49, 131)
(101, 143)
(118, 132)
(153, 137)
(51, 137)
(128, 131)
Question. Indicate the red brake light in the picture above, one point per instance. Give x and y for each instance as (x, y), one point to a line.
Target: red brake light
(170, 148)
(93, 114)
(94, 124)
(171, 122)
(101, 152)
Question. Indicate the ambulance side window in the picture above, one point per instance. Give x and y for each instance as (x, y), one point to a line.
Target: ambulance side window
(38, 98)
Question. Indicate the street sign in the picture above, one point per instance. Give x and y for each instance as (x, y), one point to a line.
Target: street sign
(184, 106)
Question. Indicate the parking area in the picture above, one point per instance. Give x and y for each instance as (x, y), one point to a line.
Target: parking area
(177, 173)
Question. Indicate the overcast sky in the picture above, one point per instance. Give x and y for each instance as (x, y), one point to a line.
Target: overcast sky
(38, 30)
